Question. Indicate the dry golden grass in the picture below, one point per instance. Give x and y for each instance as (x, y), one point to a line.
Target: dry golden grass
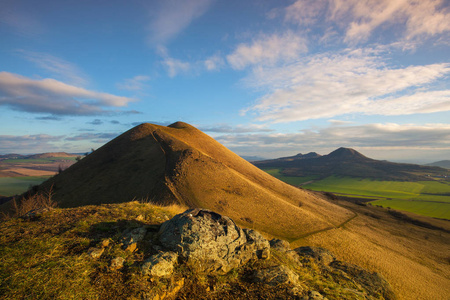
(415, 260)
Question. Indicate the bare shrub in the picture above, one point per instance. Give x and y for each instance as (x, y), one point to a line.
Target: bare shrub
(32, 202)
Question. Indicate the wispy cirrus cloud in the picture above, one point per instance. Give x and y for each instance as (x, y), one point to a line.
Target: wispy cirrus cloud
(224, 128)
(56, 67)
(351, 81)
(173, 16)
(137, 83)
(55, 97)
(268, 50)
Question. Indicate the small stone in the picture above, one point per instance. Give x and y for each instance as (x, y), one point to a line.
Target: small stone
(105, 243)
(131, 247)
(117, 263)
(160, 265)
(95, 252)
(176, 287)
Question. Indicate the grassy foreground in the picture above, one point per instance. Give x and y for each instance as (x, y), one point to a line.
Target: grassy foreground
(48, 258)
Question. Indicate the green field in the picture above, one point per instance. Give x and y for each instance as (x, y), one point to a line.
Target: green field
(431, 209)
(10, 186)
(428, 198)
(290, 179)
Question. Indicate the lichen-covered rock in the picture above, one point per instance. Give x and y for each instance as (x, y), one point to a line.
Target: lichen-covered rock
(276, 275)
(320, 254)
(211, 243)
(262, 245)
(160, 265)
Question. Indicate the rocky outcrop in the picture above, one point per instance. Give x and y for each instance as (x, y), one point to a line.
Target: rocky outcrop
(211, 243)
(201, 242)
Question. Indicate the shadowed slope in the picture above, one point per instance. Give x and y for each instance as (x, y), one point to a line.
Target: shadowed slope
(181, 164)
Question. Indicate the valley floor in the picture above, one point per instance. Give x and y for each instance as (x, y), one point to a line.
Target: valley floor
(414, 259)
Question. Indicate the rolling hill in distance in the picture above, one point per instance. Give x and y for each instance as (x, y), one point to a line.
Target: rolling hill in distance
(441, 163)
(349, 162)
(181, 165)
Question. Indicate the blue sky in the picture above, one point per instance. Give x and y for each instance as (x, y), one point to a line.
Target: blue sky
(266, 78)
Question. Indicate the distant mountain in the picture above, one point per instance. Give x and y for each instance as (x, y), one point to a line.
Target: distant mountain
(349, 162)
(299, 156)
(441, 163)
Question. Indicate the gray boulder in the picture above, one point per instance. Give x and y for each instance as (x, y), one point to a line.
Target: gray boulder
(211, 243)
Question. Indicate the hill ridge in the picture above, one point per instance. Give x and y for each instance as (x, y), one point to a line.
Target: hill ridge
(181, 164)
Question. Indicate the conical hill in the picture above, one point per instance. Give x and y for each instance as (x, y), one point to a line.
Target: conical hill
(181, 164)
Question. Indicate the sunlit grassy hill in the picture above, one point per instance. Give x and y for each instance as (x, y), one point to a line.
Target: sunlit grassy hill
(180, 164)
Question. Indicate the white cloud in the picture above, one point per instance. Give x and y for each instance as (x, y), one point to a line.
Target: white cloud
(54, 97)
(173, 16)
(267, 50)
(137, 83)
(57, 67)
(353, 81)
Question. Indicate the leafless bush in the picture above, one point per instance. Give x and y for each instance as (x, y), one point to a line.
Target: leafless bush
(36, 201)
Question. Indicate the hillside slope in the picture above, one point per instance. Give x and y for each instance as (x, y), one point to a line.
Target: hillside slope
(180, 164)
(349, 162)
